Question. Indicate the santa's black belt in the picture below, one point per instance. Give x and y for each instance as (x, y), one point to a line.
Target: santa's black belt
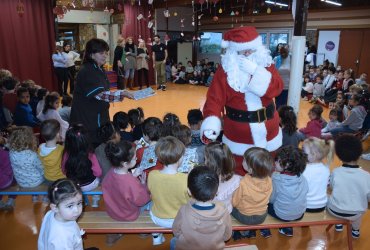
(260, 115)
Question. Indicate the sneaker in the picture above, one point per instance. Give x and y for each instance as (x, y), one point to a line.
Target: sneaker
(248, 234)
(112, 239)
(35, 198)
(45, 199)
(158, 239)
(9, 205)
(355, 233)
(266, 233)
(366, 156)
(163, 87)
(339, 227)
(159, 87)
(237, 235)
(287, 231)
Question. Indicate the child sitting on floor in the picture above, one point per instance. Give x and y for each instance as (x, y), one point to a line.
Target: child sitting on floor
(251, 198)
(124, 195)
(350, 185)
(106, 133)
(6, 176)
(314, 125)
(146, 157)
(27, 167)
(289, 187)
(202, 218)
(219, 158)
(307, 88)
(50, 152)
(120, 122)
(288, 123)
(317, 173)
(333, 122)
(79, 162)
(168, 187)
(23, 115)
(65, 110)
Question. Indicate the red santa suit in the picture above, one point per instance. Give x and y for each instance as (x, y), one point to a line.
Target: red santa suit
(242, 92)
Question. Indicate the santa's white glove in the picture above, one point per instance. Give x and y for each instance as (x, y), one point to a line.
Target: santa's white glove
(246, 65)
(210, 129)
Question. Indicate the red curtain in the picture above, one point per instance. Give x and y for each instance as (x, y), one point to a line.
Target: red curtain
(27, 42)
(139, 28)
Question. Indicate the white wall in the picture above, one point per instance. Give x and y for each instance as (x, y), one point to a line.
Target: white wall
(325, 46)
(184, 52)
(84, 16)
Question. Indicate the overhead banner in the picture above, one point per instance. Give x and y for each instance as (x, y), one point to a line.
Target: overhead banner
(328, 46)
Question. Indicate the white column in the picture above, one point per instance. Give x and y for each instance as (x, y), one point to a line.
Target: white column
(296, 71)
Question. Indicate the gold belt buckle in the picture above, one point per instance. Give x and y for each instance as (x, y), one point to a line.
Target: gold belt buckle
(264, 115)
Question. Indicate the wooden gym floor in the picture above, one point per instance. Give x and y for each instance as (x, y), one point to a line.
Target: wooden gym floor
(19, 229)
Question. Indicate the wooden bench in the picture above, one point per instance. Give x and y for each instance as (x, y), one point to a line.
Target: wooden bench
(99, 222)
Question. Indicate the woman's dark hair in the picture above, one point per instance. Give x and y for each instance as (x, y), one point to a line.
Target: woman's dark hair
(63, 189)
(49, 102)
(65, 43)
(203, 183)
(106, 132)
(77, 149)
(129, 46)
(121, 120)
(122, 151)
(94, 45)
(41, 93)
(288, 119)
(152, 128)
(293, 160)
(135, 116)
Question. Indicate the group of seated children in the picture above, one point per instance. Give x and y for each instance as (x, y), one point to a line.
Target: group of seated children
(201, 74)
(347, 99)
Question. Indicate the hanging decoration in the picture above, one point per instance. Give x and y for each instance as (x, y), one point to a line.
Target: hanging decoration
(20, 8)
(150, 2)
(166, 13)
(106, 9)
(268, 10)
(215, 18)
(175, 13)
(220, 10)
(232, 13)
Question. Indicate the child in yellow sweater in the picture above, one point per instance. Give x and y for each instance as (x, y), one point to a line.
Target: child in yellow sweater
(168, 187)
(251, 198)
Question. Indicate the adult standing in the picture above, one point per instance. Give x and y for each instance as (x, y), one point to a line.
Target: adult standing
(159, 55)
(119, 61)
(60, 66)
(282, 63)
(142, 64)
(71, 58)
(245, 85)
(130, 65)
(90, 105)
(311, 56)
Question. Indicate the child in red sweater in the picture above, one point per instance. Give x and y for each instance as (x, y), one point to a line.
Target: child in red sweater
(124, 195)
(314, 125)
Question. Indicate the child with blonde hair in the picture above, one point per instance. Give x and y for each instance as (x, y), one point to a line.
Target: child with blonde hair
(27, 167)
(317, 172)
(252, 196)
(219, 158)
(168, 187)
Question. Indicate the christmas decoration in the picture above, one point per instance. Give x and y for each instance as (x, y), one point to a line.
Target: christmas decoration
(215, 18)
(20, 8)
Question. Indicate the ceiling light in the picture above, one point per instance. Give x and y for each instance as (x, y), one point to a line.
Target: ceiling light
(276, 3)
(332, 2)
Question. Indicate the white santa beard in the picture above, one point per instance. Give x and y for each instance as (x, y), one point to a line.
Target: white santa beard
(236, 78)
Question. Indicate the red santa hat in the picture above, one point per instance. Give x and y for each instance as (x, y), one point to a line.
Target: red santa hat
(242, 38)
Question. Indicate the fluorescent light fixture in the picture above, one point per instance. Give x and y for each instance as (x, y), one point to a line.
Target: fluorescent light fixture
(332, 2)
(277, 3)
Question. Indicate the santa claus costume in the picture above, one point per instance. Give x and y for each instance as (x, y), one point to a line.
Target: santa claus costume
(242, 93)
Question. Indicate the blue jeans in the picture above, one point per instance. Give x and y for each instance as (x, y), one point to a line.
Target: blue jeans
(129, 73)
(173, 243)
(341, 129)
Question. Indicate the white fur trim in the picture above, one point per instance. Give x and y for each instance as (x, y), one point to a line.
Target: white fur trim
(242, 46)
(260, 81)
(258, 130)
(211, 127)
(239, 148)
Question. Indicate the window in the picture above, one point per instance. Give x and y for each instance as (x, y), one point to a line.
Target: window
(277, 39)
(210, 43)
